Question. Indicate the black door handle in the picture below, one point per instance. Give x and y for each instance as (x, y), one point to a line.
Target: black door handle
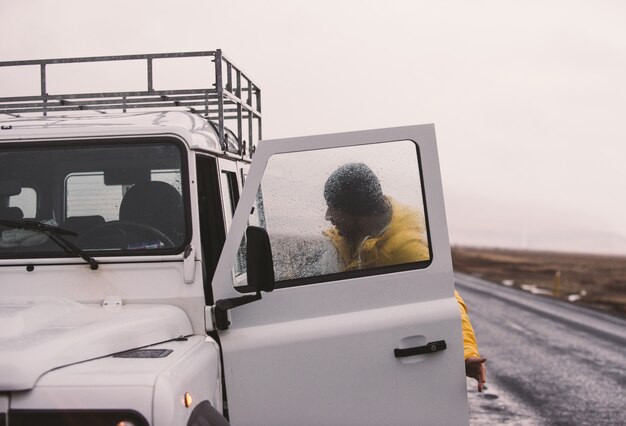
(428, 348)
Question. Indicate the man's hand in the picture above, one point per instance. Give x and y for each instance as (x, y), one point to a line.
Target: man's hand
(475, 368)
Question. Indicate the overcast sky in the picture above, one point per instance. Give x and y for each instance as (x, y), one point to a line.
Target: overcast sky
(528, 97)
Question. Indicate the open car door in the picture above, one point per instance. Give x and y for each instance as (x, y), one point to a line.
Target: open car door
(343, 339)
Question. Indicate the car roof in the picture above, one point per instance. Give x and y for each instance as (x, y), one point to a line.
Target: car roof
(202, 134)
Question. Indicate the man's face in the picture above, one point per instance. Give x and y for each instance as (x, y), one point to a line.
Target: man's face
(347, 225)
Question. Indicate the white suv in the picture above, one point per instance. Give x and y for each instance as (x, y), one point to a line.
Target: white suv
(142, 283)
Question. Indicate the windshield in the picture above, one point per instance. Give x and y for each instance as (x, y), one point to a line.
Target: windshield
(116, 197)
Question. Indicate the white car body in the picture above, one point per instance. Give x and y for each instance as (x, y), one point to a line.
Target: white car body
(321, 353)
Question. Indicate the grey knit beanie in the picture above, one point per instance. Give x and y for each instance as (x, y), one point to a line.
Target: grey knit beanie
(354, 188)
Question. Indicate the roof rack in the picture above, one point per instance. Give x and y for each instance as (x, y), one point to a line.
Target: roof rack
(221, 102)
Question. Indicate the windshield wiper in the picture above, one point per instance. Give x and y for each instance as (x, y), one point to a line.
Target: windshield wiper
(55, 233)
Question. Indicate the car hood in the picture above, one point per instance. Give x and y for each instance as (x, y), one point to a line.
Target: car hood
(39, 335)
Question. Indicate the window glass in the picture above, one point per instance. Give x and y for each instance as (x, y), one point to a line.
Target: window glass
(170, 176)
(117, 197)
(345, 210)
(88, 195)
(26, 201)
(257, 218)
(231, 195)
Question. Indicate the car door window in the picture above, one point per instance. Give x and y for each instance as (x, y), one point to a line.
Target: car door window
(344, 212)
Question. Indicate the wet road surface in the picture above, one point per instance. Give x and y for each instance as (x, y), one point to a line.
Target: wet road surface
(549, 362)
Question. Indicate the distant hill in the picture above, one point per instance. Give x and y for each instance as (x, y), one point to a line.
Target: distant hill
(476, 221)
(598, 281)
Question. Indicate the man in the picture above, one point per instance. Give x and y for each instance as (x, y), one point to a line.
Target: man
(373, 230)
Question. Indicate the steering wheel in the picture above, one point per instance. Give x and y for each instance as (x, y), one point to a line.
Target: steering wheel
(119, 233)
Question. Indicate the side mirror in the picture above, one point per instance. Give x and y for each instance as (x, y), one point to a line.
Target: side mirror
(259, 259)
(260, 275)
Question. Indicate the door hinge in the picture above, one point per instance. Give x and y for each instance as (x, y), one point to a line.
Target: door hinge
(189, 264)
(222, 306)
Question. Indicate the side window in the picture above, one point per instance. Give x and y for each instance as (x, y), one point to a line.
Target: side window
(231, 195)
(257, 218)
(87, 194)
(26, 201)
(343, 212)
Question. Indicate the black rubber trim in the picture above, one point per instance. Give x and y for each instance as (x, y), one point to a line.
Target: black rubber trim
(212, 227)
(205, 415)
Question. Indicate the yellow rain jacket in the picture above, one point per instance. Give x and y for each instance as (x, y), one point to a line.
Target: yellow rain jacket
(402, 241)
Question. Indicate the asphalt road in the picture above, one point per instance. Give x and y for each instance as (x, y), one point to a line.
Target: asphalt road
(549, 362)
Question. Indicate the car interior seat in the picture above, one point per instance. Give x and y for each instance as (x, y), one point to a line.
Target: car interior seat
(11, 213)
(156, 204)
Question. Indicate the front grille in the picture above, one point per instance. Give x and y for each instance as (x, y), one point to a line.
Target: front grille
(75, 417)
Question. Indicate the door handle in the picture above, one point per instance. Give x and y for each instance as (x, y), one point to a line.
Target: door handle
(428, 348)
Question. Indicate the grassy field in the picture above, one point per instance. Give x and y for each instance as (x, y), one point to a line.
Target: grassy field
(591, 280)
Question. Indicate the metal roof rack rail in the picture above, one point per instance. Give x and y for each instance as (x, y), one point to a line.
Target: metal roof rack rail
(222, 102)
